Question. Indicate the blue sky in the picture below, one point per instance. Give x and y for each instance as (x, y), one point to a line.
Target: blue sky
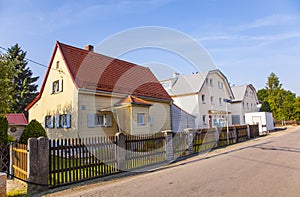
(246, 39)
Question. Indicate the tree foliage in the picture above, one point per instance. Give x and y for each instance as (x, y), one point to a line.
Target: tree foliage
(282, 103)
(6, 85)
(33, 129)
(3, 130)
(17, 85)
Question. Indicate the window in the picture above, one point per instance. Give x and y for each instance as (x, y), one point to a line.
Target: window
(203, 98)
(220, 101)
(141, 119)
(212, 100)
(247, 105)
(206, 81)
(63, 121)
(56, 86)
(49, 122)
(246, 94)
(204, 119)
(211, 82)
(102, 120)
(222, 85)
(57, 65)
(150, 120)
(243, 105)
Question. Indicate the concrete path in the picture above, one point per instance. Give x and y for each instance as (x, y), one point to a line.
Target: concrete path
(268, 166)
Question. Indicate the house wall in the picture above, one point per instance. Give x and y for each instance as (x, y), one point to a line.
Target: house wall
(64, 102)
(160, 113)
(137, 129)
(217, 92)
(18, 131)
(249, 104)
(89, 103)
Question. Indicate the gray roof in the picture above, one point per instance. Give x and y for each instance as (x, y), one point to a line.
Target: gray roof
(185, 84)
(239, 92)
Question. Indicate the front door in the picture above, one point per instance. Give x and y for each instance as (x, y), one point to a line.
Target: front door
(210, 121)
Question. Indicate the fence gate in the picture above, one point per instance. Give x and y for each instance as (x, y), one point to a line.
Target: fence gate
(20, 161)
(4, 158)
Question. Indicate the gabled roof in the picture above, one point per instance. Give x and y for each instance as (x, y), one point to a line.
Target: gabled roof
(240, 91)
(133, 100)
(16, 119)
(193, 83)
(93, 71)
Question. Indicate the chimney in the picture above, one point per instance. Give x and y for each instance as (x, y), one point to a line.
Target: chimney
(89, 48)
(175, 75)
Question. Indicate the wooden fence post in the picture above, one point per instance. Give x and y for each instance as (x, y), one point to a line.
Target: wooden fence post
(235, 135)
(121, 151)
(169, 145)
(38, 165)
(3, 183)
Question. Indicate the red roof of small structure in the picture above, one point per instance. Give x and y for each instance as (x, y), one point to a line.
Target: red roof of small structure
(16, 119)
(94, 71)
(134, 100)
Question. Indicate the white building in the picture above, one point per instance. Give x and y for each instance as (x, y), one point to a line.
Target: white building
(202, 95)
(245, 101)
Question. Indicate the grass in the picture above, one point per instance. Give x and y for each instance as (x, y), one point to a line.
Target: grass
(17, 192)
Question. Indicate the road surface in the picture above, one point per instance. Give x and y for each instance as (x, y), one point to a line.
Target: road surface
(268, 166)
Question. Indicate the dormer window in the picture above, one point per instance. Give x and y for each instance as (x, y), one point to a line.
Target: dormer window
(211, 82)
(56, 86)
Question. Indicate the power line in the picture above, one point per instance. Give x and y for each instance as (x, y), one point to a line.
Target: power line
(29, 60)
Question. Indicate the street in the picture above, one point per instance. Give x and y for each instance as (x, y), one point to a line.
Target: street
(267, 166)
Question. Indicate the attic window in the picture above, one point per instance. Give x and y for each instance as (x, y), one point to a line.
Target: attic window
(57, 65)
(56, 86)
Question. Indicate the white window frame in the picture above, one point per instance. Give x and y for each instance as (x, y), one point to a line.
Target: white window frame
(99, 120)
(140, 119)
(49, 122)
(56, 86)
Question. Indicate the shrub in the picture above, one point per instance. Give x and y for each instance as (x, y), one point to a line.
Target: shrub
(11, 139)
(3, 130)
(33, 129)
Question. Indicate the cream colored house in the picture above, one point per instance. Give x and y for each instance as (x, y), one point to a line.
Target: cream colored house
(245, 101)
(202, 95)
(85, 94)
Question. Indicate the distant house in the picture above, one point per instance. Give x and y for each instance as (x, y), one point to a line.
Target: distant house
(202, 95)
(245, 101)
(86, 94)
(16, 124)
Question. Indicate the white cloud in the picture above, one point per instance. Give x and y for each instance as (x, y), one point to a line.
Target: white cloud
(273, 20)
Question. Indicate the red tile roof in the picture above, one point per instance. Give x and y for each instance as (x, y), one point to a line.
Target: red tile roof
(94, 71)
(135, 101)
(16, 119)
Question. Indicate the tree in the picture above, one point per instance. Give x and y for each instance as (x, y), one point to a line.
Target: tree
(265, 107)
(277, 100)
(3, 130)
(7, 75)
(24, 83)
(33, 129)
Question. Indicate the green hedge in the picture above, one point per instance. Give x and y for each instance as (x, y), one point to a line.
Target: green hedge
(33, 130)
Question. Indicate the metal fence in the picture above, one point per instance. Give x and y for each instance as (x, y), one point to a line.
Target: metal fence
(4, 158)
(143, 150)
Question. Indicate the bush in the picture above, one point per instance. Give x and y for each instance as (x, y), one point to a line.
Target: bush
(33, 130)
(3, 130)
(11, 139)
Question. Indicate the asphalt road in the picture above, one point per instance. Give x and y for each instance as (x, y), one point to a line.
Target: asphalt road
(268, 166)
